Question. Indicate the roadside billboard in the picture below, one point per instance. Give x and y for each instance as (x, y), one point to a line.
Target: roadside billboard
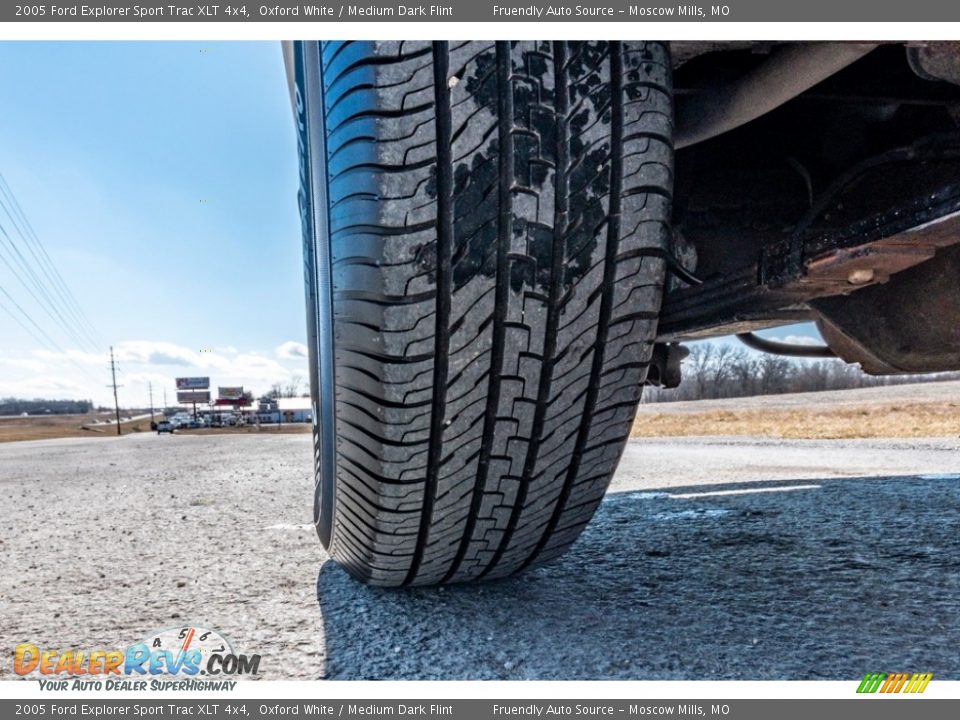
(193, 383)
(230, 393)
(190, 397)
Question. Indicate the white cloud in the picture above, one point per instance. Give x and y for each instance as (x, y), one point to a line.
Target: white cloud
(799, 340)
(46, 387)
(78, 356)
(80, 375)
(24, 364)
(152, 352)
(291, 350)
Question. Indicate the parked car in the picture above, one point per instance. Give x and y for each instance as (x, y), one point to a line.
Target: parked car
(165, 426)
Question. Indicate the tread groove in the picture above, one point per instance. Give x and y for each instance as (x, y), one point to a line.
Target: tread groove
(606, 302)
(504, 231)
(561, 206)
(444, 122)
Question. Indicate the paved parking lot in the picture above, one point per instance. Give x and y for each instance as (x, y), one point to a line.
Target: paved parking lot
(711, 558)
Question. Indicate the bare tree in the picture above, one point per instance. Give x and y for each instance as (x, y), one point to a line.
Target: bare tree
(292, 388)
(696, 365)
(719, 370)
(720, 367)
(775, 372)
(743, 374)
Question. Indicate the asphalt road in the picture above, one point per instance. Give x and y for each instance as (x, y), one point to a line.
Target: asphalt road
(711, 558)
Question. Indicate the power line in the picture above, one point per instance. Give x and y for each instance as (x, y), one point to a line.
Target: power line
(21, 323)
(50, 292)
(22, 261)
(55, 346)
(25, 264)
(46, 303)
(71, 298)
(49, 267)
(50, 305)
(32, 321)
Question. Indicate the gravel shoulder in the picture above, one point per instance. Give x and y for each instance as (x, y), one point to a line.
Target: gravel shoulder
(711, 558)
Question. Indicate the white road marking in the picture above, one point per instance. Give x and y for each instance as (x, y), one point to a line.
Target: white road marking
(698, 514)
(744, 491)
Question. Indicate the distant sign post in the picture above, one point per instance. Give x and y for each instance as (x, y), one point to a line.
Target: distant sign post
(193, 383)
(193, 396)
(193, 390)
(230, 393)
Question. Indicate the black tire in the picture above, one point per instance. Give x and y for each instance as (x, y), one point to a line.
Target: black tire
(485, 226)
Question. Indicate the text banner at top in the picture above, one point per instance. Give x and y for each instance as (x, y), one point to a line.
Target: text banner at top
(485, 11)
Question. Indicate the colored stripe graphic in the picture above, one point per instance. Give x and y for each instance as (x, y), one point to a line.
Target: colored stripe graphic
(894, 682)
(870, 682)
(898, 682)
(918, 683)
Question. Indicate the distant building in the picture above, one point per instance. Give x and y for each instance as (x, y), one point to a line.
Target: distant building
(271, 411)
(295, 409)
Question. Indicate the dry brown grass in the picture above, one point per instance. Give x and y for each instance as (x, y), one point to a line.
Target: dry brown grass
(285, 428)
(870, 421)
(64, 426)
(49, 427)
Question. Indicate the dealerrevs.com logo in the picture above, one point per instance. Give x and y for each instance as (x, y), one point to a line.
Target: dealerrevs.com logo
(181, 658)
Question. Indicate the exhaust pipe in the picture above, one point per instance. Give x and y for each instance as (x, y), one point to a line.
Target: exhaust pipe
(788, 72)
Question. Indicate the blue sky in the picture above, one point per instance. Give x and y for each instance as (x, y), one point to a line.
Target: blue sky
(161, 178)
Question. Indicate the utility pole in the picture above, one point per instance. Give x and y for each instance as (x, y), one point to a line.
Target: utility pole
(164, 401)
(113, 375)
(150, 386)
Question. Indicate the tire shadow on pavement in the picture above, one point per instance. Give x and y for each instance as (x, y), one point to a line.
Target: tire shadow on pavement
(820, 579)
